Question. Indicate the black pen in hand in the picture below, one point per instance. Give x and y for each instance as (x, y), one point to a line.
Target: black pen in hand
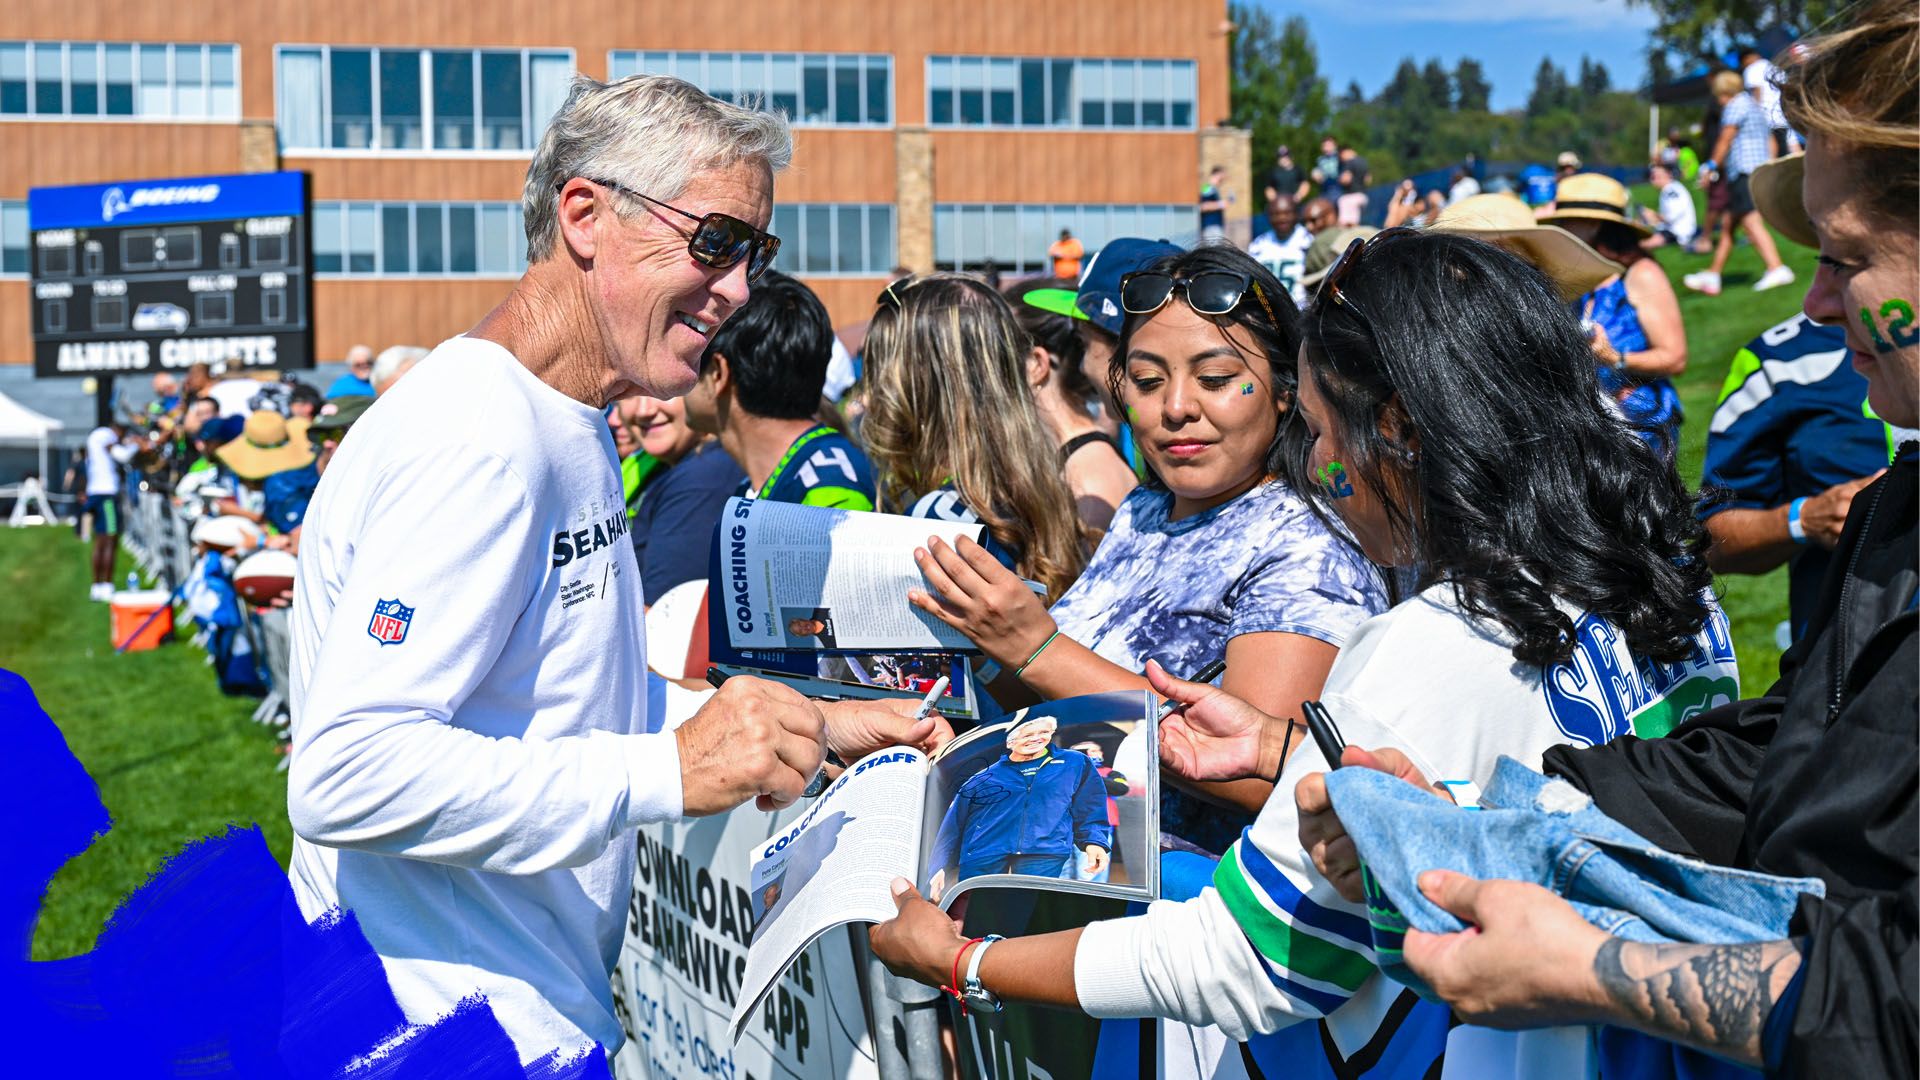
(1204, 675)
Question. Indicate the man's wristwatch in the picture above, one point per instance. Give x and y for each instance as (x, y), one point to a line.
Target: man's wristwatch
(973, 993)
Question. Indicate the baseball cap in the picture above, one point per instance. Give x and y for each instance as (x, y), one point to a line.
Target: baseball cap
(338, 414)
(1567, 160)
(1097, 300)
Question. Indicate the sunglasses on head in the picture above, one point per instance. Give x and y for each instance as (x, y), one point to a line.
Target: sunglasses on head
(718, 240)
(1209, 292)
(1330, 288)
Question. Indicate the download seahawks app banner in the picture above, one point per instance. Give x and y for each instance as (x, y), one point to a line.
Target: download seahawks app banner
(151, 275)
(688, 924)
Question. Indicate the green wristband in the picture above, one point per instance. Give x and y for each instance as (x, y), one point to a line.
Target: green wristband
(1017, 672)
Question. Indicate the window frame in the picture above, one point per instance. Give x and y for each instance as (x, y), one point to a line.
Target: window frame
(1051, 217)
(9, 207)
(380, 208)
(66, 115)
(1173, 84)
(531, 128)
(624, 62)
(794, 249)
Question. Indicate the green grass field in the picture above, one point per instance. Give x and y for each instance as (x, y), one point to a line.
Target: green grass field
(176, 761)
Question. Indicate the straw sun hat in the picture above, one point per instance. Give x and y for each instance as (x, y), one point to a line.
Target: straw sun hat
(1593, 197)
(269, 444)
(1504, 220)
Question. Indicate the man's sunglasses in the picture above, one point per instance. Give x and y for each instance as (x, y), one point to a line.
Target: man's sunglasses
(718, 240)
(1209, 292)
(1330, 288)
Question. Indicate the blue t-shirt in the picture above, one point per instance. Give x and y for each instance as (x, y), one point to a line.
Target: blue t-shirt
(1211, 219)
(1652, 406)
(1539, 184)
(1178, 591)
(287, 494)
(822, 468)
(1792, 421)
(673, 528)
(349, 385)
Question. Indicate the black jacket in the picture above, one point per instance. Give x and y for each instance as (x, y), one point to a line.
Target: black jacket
(1816, 779)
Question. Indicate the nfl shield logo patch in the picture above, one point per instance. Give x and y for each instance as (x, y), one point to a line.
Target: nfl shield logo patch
(390, 621)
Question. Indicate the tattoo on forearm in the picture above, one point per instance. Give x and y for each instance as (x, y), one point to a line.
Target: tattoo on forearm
(1712, 996)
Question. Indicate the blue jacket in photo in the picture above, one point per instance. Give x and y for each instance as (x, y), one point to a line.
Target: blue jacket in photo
(999, 813)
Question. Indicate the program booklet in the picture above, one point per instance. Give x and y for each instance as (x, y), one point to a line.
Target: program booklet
(817, 598)
(1063, 796)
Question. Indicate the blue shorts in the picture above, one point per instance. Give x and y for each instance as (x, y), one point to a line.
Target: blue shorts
(105, 512)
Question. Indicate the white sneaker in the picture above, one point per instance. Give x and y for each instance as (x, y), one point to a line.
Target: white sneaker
(1774, 278)
(101, 591)
(1705, 281)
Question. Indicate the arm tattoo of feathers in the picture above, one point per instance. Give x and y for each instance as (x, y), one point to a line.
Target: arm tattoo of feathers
(1712, 996)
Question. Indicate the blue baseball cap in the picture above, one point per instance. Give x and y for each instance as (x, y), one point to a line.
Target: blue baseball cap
(1098, 298)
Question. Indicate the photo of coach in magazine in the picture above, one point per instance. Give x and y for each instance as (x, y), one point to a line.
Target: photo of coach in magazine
(1039, 810)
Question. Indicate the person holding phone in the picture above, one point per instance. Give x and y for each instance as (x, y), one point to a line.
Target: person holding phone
(1459, 436)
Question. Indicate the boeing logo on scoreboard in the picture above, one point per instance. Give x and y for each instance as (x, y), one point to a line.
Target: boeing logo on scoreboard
(159, 202)
(117, 201)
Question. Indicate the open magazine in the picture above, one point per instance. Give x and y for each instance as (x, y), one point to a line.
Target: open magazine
(817, 598)
(1063, 796)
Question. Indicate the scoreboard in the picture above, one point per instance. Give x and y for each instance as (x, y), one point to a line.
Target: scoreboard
(155, 275)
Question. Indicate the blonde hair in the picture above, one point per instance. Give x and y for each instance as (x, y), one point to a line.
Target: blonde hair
(1858, 87)
(947, 398)
(1725, 84)
(650, 133)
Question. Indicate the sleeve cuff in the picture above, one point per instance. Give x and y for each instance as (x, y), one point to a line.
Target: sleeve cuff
(653, 779)
(1108, 972)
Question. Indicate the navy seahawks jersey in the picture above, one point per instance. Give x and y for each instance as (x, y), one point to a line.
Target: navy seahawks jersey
(822, 468)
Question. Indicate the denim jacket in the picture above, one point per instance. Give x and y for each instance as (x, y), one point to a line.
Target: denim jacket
(1547, 832)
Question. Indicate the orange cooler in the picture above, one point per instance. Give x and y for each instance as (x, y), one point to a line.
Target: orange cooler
(133, 607)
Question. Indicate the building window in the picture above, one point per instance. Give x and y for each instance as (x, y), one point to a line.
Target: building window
(418, 99)
(1015, 237)
(418, 239)
(813, 89)
(824, 239)
(13, 236)
(1007, 92)
(91, 78)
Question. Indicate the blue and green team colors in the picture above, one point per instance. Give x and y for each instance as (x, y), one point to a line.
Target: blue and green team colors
(1317, 956)
(822, 468)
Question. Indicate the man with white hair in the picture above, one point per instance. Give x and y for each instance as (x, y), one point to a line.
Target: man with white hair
(356, 380)
(473, 743)
(393, 362)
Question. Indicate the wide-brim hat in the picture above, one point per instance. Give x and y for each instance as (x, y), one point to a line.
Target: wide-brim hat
(1593, 197)
(1775, 187)
(1327, 246)
(1504, 220)
(269, 444)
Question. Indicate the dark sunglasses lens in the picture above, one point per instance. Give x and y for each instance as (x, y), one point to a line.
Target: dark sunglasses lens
(1144, 293)
(720, 240)
(1215, 293)
(762, 257)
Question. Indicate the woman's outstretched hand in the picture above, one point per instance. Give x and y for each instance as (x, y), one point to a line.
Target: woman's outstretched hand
(1213, 735)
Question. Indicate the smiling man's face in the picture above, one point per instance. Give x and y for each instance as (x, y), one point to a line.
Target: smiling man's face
(658, 305)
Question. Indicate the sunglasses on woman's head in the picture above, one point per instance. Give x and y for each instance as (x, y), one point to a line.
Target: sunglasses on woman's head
(1343, 268)
(718, 240)
(1209, 292)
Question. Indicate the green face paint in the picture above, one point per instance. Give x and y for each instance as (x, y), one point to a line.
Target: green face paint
(1133, 417)
(1899, 318)
(1334, 476)
(1246, 388)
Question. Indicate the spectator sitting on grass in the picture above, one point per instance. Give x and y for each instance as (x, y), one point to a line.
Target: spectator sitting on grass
(1676, 223)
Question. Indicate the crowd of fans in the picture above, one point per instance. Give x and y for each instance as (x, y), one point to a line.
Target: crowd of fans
(1424, 474)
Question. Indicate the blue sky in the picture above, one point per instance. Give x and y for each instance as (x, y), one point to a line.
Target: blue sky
(1366, 41)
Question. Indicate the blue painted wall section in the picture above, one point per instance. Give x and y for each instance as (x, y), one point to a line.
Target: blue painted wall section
(208, 969)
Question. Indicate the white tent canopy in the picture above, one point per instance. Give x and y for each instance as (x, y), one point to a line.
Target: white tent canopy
(21, 426)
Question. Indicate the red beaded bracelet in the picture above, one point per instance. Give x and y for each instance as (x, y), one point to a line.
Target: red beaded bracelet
(954, 988)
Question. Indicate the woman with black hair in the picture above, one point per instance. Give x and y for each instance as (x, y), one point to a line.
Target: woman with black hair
(1634, 317)
(1456, 430)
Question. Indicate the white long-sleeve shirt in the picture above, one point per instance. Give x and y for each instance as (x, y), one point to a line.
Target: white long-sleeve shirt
(1272, 943)
(468, 766)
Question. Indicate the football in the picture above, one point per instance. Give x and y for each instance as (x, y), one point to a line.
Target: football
(264, 575)
(227, 533)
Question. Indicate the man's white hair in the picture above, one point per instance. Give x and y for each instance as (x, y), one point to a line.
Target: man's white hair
(393, 362)
(648, 133)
